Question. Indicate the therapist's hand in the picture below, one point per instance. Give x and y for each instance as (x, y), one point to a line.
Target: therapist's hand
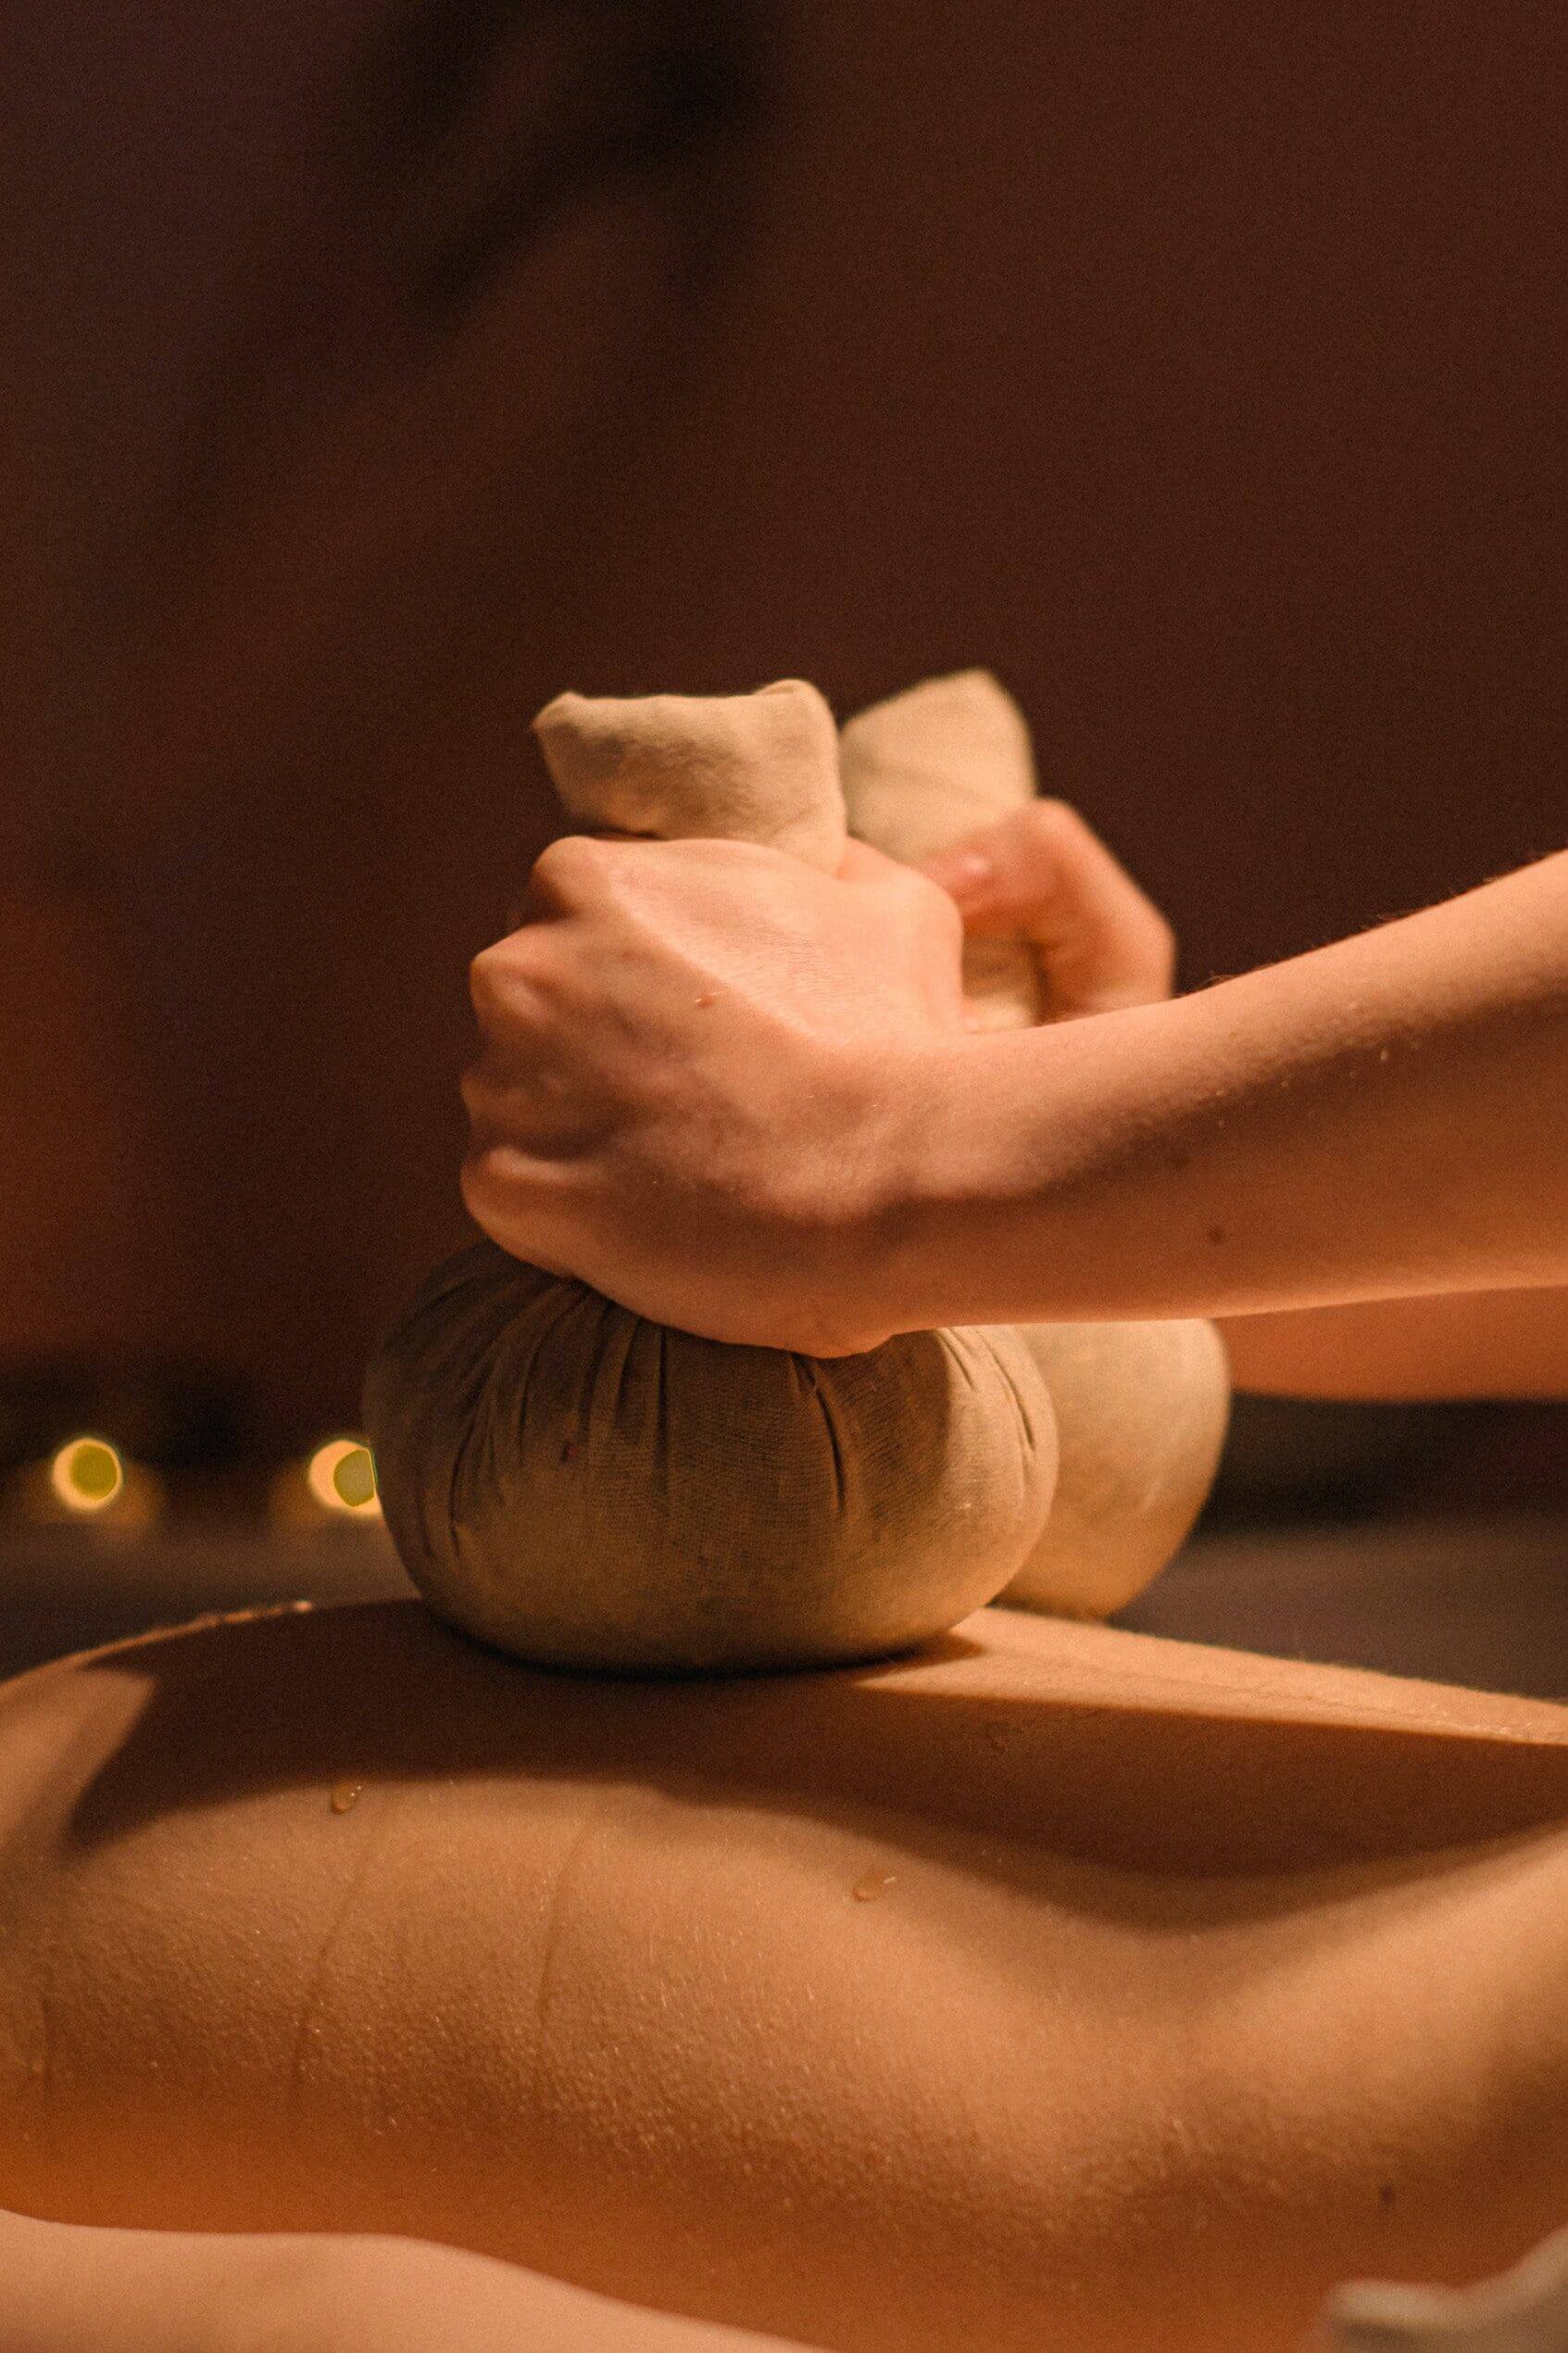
(1044, 876)
(700, 1080)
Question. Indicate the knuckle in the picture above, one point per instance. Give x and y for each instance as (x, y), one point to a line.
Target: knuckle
(1041, 852)
(1052, 820)
(488, 1188)
(945, 920)
(1142, 925)
(510, 984)
(1117, 906)
(1159, 948)
(572, 875)
(567, 865)
(930, 906)
(493, 977)
(908, 882)
(474, 1181)
(479, 1092)
(1159, 930)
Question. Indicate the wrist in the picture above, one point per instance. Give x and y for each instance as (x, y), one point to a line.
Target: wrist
(932, 1248)
(1021, 1188)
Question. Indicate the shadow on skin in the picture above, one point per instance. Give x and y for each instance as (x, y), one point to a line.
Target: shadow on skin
(1096, 1747)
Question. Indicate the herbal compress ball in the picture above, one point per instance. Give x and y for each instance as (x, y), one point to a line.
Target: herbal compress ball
(586, 1489)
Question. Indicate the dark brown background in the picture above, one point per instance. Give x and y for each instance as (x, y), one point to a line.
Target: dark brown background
(1198, 370)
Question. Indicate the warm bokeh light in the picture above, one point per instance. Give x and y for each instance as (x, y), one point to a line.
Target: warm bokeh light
(340, 1477)
(87, 1475)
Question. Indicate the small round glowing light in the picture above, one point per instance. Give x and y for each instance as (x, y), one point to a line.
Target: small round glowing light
(87, 1475)
(342, 1477)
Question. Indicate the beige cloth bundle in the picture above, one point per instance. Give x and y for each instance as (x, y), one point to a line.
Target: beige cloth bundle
(1141, 1409)
(586, 1489)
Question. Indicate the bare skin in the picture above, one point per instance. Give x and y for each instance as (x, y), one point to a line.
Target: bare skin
(1105, 945)
(1057, 1984)
(69, 2285)
(1384, 1119)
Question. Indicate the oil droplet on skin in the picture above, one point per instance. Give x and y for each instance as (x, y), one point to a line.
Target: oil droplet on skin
(874, 1884)
(346, 1796)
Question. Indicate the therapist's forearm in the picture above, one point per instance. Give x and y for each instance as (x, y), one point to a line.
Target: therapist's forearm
(1384, 1117)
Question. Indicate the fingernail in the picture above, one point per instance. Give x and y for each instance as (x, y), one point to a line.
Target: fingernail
(964, 875)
